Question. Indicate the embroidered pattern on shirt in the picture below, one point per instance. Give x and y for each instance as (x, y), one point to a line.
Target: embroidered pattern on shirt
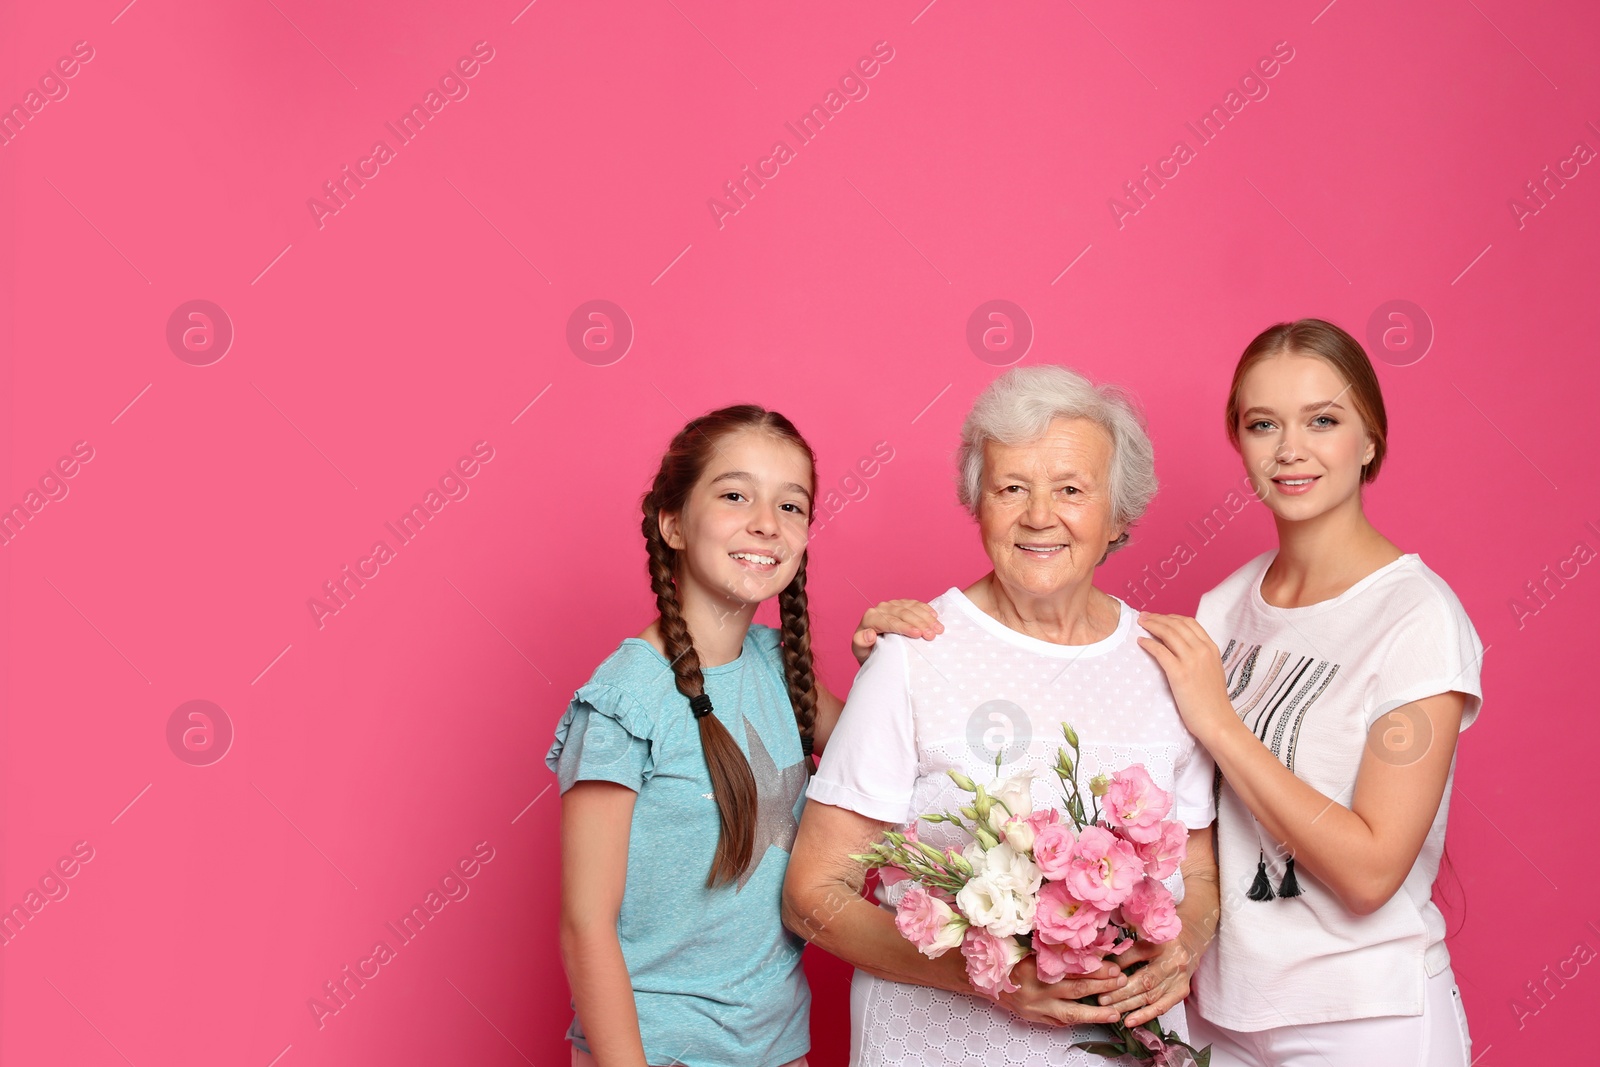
(1274, 704)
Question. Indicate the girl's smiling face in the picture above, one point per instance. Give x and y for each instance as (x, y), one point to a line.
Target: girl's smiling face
(1301, 439)
(745, 525)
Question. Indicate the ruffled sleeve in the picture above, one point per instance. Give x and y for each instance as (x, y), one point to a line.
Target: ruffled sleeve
(604, 736)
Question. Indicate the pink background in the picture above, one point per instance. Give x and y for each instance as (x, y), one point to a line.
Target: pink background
(372, 754)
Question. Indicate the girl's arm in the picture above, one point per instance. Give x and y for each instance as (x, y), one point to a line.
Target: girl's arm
(1362, 852)
(822, 903)
(595, 820)
(911, 618)
(828, 709)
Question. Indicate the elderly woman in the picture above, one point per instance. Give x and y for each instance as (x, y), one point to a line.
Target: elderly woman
(1054, 470)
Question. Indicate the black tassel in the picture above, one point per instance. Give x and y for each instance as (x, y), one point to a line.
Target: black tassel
(1261, 889)
(1289, 887)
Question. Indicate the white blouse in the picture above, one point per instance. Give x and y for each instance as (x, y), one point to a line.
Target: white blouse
(1311, 681)
(919, 708)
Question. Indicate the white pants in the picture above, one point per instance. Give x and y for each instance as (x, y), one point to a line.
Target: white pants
(1436, 1038)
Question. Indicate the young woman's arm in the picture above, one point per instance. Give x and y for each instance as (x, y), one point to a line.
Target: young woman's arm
(1155, 988)
(595, 819)
(822, 903)
(1362, 852)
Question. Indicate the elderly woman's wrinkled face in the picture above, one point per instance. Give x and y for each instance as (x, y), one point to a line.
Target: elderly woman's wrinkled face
(1045, 507)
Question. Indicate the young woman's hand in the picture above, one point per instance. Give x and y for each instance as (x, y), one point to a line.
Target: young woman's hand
(1193, 666)
(1056, 1003)
(910, 618)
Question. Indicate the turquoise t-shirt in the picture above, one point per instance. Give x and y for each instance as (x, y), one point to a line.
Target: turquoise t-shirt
(716, 976)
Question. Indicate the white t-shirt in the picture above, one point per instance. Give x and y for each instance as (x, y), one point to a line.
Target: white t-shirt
(1311, 681)
(919, 708)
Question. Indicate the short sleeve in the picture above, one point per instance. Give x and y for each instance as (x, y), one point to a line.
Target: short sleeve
(603, 737)
(870, 764)
(1194, 800)
(1432, 649)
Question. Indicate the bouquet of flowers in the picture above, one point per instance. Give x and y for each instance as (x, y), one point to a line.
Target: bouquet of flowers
(1070, 886)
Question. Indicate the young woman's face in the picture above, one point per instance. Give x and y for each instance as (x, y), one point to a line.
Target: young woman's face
(1300, 437)
(1045, 508)
(744, 527)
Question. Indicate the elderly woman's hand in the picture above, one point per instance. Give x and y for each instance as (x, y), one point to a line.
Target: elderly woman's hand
(1056, 1003)
(910, 618)
(1162, 982)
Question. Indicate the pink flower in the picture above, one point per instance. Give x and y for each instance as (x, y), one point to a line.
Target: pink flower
(1102, 868)
(1165, 1055)
(1111, 942)
(1135, 805)
(990, 960)
(1055, 962)
(1052, 844)
(1061, 920)
(927, 922)
(1150, 910)
(1162, 856)
(1044, 817)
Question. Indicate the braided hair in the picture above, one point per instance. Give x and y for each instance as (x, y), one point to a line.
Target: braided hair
(733, 784)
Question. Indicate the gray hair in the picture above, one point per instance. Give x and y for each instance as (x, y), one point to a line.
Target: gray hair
(1017, 408)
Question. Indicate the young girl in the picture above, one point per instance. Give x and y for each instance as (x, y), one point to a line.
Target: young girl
(1345, 672)
(682, 765)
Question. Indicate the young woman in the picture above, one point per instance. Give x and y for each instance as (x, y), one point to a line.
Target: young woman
(682, 765)
(1329, 679)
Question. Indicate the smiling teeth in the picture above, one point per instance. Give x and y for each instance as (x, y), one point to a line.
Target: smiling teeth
(1295, 481)
(753, 558)
(1041, 548)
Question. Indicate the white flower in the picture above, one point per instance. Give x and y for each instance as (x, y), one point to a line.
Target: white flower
(1019, 834)
(975, 855)
(1016, 793)
(1012, 870)
(982, 902)
(997, 908)
(951, 936)
(1020, 913)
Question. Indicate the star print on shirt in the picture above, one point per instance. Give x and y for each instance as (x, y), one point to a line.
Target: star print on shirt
(776, 792)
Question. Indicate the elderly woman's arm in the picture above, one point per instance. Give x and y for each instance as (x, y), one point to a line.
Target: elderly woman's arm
(910, 618)
(822, 903)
